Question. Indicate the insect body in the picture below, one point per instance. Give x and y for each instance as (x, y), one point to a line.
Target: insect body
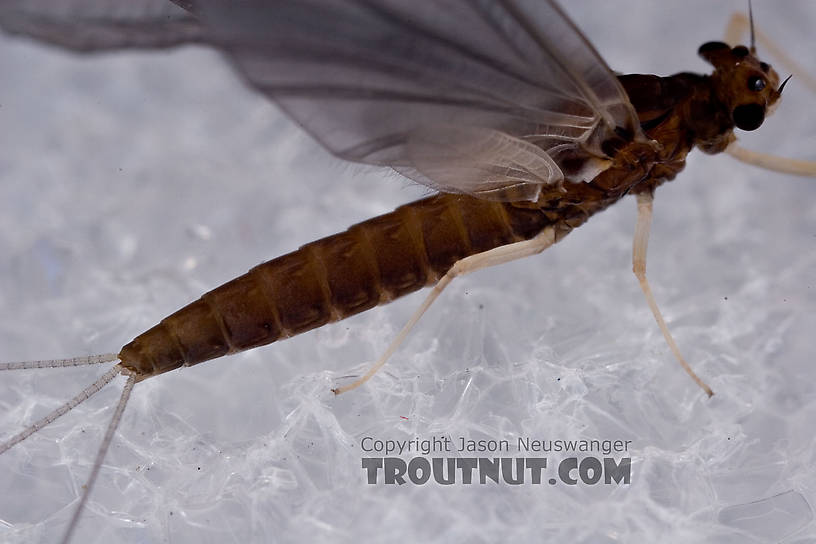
(327, 306)
(379, 260)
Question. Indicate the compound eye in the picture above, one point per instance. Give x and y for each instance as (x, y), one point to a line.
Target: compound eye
(711, 47)
(711, 51)
(740, 51)
(748, 116)
(756, 84)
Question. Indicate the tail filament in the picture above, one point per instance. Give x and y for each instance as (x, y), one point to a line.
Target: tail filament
(84, 395)
(58, 363)
(100, 455)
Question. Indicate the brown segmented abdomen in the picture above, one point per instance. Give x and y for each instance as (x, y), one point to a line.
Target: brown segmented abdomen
(330, 279)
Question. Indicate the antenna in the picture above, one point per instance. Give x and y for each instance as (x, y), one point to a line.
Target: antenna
(751, 22)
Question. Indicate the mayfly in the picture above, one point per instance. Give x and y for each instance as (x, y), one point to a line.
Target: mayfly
(527, 146)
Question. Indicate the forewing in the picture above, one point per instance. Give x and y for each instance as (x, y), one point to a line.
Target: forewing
(383, 83)
(95, 25)
(393, 83)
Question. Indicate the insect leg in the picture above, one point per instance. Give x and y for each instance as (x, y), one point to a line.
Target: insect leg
(493, 257)
(639, 250)
(772, 162)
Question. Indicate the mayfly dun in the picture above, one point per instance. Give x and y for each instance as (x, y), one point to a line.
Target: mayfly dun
(57, 261)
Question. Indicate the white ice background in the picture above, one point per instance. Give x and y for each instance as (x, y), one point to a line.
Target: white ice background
(131, 183)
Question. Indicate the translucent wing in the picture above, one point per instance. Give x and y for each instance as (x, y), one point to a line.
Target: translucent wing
(495, 98)
(425, 86)
(93, 25)
(485, 162)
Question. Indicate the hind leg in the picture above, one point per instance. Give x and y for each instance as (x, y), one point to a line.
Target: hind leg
(493, 257)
